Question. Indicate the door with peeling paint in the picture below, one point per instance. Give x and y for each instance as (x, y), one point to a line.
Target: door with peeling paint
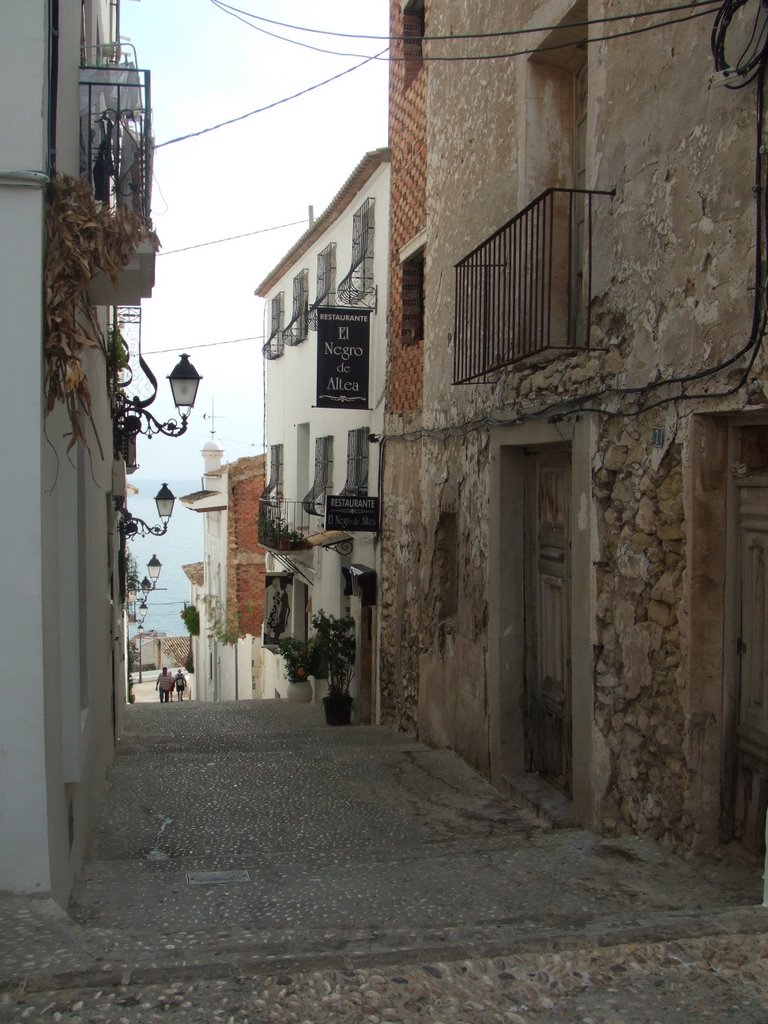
(547, 618)
(750, 799)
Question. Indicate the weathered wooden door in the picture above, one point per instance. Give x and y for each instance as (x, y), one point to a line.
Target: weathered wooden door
(751, 699)
(547, 618)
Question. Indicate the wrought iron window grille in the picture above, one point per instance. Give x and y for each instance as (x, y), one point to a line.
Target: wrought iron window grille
(413, 299)
(274, 346)
(357, 463)
(298, 328)
(116, 135)
(274, 489)
(525, 290)
(325, 294)
(314, 499)
(358, 284)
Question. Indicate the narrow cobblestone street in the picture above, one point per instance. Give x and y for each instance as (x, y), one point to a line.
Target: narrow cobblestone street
(252, 864)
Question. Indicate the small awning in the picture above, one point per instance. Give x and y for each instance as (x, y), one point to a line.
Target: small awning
(360, 581)
(205, 501)
(326, 538)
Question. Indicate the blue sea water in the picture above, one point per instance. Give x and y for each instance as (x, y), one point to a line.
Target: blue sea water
(182, 544)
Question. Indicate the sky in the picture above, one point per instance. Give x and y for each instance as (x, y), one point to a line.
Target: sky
(208, 66)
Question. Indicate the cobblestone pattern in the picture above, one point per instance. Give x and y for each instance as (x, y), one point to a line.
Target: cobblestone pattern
(386, 882)
(709, 980)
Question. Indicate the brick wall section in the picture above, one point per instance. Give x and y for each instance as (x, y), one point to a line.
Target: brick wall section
(245, 559)
(401, 484)
(407, 139)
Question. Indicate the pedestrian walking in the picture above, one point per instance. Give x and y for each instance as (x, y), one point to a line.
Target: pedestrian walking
(181, 684)
(165, 685)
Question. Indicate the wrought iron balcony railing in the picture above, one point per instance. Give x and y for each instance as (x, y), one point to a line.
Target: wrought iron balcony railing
(525, 290)
(116, 135)
(283, 525)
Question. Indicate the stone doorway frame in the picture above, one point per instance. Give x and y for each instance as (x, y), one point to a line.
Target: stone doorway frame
(506, 640)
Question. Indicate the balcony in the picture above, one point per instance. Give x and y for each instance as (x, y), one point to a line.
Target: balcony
(116, 136)
(283, 525)
(525, 290)
(116, 161)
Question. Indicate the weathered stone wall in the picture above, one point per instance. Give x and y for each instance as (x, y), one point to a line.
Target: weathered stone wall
(672, 279)
(640, 661)
(401, 544)
(453, 697)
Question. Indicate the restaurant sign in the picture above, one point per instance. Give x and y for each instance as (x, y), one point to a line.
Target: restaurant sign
(343, 354)
(351, 514)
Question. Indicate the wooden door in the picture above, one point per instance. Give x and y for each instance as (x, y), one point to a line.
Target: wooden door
(750, 799)
(547, 618)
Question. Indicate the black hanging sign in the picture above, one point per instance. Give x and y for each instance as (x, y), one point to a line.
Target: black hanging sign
(343, 350)
(351, 513)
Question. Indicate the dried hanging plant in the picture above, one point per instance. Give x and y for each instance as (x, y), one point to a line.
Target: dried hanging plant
(83, 238)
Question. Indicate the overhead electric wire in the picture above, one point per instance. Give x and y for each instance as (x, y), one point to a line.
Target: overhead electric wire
(753, 52)
(471, 35)
(586, 41)
(203, 344)
(702, 9)
(274, 35)
(234, 238)
(268, 106)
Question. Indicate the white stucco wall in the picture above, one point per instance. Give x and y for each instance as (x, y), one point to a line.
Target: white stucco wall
(295, 422)
(59, 626)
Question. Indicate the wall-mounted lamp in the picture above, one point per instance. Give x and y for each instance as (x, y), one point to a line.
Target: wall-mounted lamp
(132, 416)
(138, 612)
(149, 583)
(132, 526)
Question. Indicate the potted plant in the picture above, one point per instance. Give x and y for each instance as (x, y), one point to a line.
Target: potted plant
(297, 663)
(275, 532)
(335, 640)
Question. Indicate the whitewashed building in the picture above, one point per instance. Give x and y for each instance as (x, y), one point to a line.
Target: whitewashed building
(325, 353)
(61, 627)
(226, 651)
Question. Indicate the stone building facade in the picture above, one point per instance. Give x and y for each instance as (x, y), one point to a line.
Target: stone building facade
(586, 588)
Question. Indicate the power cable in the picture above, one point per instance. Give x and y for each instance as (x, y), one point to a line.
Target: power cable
(268, 106)
(274, 35)
(204, 344)
(233, 238)
(706, 5)
(584, 41)
(227, 8)
(702, 9)
(753, 53)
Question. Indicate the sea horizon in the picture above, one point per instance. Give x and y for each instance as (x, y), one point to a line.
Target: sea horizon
(181, 545)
